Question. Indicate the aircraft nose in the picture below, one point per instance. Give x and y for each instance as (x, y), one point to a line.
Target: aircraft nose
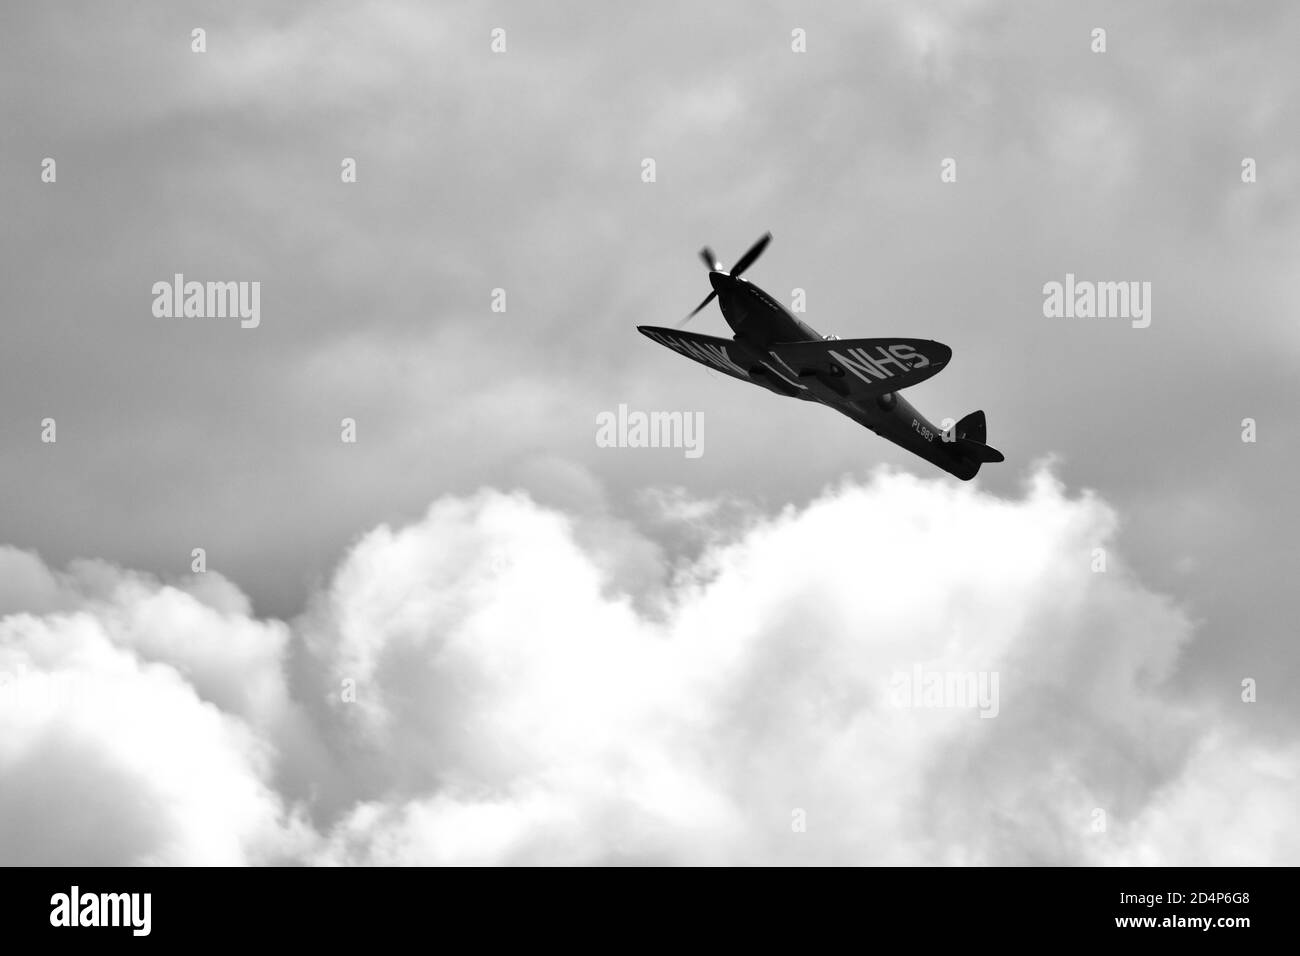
(720, 281)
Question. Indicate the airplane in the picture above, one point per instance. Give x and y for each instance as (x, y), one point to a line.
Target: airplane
(860, 378)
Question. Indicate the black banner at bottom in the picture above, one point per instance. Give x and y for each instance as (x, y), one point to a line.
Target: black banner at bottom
(363, 907)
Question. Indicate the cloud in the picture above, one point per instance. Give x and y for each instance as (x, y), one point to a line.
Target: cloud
(515, 703)
(108, 759)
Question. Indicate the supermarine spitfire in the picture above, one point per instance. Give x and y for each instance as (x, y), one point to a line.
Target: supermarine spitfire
(860, 378)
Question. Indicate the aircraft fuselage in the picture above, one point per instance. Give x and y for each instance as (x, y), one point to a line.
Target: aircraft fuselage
(758, 322)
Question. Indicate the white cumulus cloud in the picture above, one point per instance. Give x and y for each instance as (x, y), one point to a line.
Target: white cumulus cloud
(482, 686)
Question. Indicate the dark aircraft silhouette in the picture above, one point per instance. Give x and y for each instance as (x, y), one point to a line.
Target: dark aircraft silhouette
(860, 378)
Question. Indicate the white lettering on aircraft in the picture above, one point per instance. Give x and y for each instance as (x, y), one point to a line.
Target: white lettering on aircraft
(709, 354)
(863, 365)
(792, 380)
(869, 368)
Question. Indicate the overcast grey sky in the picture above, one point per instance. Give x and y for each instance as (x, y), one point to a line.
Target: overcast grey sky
(522, 170)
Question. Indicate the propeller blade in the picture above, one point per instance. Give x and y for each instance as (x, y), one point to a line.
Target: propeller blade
(710, 259)
(711, 296)
(747, 260)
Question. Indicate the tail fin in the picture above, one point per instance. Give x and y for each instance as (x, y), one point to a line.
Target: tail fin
(973, 426)
(971, 433)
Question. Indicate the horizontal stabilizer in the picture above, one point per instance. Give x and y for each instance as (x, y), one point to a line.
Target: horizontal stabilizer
(971, 433)
(978, 450)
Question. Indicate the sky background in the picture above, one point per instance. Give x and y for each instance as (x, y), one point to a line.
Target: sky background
(481, 567)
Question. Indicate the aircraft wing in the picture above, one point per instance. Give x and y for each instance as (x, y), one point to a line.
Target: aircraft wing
(721, 355)
(863, 368)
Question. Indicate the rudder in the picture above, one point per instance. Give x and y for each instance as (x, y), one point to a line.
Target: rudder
(972, 432)
(974, 427)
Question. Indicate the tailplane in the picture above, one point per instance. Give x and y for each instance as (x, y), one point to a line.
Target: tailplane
(971, 432)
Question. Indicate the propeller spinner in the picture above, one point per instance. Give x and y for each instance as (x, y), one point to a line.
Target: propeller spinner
(743, 263)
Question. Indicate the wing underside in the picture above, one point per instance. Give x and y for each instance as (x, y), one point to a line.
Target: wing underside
(864, 368)
(853, 369)
(721, 355)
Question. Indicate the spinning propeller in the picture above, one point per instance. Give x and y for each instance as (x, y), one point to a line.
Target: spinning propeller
(743, 263)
